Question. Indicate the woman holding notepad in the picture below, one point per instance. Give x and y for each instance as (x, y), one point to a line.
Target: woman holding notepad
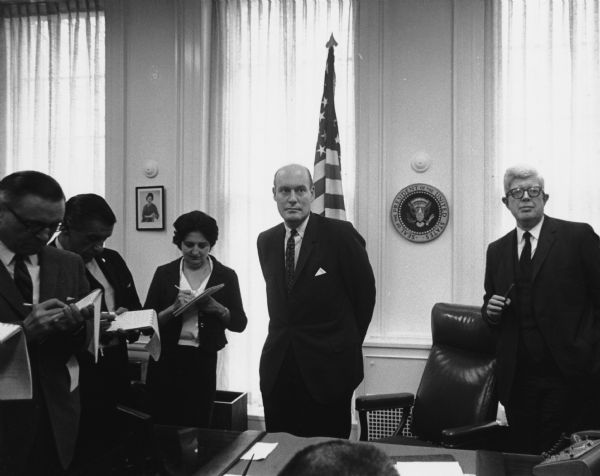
(182, 383)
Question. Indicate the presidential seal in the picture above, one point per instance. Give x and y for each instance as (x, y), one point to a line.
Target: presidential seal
(420, 212)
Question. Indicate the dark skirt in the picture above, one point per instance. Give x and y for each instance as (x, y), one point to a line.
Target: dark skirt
(182, 386)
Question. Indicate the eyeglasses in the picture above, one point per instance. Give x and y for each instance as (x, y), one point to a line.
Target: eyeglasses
(518, 193)
(33, 226)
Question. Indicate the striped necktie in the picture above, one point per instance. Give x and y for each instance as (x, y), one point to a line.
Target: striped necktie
(23, 278)
(290, 257)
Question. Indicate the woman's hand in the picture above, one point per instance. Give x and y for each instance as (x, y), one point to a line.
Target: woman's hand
(183, 297)
(212, 307)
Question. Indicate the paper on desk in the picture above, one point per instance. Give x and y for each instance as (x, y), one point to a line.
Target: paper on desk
(428, 468)
(259, 450)
(15, 369)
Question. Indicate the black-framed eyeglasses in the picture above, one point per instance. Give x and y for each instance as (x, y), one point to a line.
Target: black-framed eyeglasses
(518, 192)
(34, 226)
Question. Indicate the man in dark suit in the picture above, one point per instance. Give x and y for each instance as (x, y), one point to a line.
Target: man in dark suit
(320, 295)
(87, 224)
(542, 294)
(38, 436)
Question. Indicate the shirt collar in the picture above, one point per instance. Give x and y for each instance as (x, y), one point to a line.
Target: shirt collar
(7, 255)
(300, 229)
(534, 232)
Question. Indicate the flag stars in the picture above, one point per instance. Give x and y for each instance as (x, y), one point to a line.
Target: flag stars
(324, 101)
(321, 150)
(337, 139)
(321, 116)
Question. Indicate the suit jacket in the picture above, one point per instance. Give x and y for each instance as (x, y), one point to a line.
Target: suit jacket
(325, 316)
(62, 275)
(565, 295)
(162, 294)
(118, 275)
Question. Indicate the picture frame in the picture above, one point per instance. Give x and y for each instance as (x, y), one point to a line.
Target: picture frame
(150, 208)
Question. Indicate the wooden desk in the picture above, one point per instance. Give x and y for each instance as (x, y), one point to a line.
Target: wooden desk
(482, 463)
(193, 451)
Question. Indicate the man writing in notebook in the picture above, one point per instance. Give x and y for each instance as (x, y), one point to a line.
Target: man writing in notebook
(38, 436)
(88, 223)
(320, 295)
(542, 294)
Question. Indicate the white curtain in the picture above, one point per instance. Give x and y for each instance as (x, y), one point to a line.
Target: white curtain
(271, 70)
(52, 92)
(546, 102)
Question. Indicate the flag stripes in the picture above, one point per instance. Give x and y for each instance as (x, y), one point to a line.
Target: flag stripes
(327, 175)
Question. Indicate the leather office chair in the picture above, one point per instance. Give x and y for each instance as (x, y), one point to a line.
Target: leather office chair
(455, 405)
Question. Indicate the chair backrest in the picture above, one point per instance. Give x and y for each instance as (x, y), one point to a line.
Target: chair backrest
(457, 387)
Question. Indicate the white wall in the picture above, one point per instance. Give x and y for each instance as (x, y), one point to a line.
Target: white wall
(420, 86)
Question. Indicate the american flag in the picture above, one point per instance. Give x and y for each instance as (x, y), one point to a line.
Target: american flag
(329, 197)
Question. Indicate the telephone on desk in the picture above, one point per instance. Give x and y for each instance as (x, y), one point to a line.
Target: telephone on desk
(580, 458)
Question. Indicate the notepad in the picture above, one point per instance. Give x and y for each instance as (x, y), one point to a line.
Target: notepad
(15, 369)
(132, 320)
(88, 299)
(207, 292)
(8, 330)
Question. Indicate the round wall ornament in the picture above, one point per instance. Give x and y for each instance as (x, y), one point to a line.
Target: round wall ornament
(420, 212)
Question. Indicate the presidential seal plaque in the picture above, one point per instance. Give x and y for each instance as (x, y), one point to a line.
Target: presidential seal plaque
(420, 212)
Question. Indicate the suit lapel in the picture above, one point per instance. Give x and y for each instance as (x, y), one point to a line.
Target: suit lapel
(547, 238)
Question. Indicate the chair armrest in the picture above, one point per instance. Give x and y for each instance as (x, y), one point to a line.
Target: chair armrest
(479, 436)
(384, 401)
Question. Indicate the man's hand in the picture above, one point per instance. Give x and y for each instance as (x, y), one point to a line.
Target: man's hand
(495, 306)
(53, 316)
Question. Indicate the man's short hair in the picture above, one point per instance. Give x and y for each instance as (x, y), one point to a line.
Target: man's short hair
(521, 172)
(310, 179)
(17, 185)
(340, 458)
(84, 208)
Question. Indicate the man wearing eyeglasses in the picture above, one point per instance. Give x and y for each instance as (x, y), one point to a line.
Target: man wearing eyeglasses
(542, 294)
(38, 436)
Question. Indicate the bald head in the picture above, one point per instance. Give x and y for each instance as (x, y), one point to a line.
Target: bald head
(293, 190)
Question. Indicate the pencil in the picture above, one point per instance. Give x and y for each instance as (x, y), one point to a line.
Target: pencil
(248, 465)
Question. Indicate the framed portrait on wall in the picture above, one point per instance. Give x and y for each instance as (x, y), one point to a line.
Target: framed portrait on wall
(149, 208)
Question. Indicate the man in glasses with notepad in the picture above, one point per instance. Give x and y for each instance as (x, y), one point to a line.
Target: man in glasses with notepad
(542, 294)
(37, 436)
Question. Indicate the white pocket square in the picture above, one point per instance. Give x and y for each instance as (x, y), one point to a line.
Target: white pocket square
(320, 271)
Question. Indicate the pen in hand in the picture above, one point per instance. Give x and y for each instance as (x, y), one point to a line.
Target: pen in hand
(510, 288)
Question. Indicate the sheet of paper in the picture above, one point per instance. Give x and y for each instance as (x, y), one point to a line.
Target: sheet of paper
(15, 369)
(428, 468)
(95, 298)
(259, 450)
(73, 369)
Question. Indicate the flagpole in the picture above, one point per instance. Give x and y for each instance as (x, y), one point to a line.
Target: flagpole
(327, 175)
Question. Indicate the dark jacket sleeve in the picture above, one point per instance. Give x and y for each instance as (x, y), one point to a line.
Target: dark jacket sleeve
(358, 275)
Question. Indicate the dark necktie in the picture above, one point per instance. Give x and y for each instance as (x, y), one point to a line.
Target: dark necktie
(525, 260)
(23, 278)
(290, 255)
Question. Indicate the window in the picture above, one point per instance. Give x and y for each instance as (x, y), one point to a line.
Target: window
(52, 92)
(547, 101)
